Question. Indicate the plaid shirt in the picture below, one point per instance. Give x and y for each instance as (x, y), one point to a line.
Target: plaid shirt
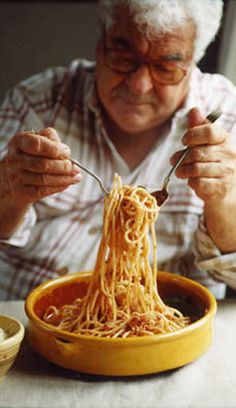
(65, 228)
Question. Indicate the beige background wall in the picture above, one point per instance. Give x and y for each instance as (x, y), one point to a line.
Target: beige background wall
(227, 60)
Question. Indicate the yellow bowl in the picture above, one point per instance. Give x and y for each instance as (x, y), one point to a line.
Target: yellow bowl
(121, 357)
(9, 347)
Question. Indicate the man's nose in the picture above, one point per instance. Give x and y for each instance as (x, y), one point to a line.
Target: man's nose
(140, 82)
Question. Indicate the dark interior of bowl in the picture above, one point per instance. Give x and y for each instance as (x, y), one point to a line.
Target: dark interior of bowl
(188, 300)
(175, 293)
(60, 295)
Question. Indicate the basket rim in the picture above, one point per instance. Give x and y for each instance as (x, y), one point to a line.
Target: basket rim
(16, 338)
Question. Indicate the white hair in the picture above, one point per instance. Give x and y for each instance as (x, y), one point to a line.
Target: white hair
(163, 16)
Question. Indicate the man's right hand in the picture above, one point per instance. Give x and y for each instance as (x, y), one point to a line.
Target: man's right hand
(37, 165)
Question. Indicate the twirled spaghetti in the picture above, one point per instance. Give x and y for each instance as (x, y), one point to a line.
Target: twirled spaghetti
(122, 299)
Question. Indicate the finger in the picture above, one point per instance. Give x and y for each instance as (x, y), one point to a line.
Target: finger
(207, 134)
(49, 180)
(196, 118)
(50, 133)
(35, 193)
(208, 188)
(36, 164)
(38, 145)
(207, 170)
(199, 154)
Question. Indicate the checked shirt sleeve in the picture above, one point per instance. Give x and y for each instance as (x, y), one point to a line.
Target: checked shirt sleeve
(27, 106)
(220, 94)
(11, 121)
(21, 237)
(33, 104)
(222, 267)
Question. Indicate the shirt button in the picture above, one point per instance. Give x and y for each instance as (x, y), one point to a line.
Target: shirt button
(94, 230)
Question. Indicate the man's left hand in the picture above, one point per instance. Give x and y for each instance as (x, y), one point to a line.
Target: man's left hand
(210, 166)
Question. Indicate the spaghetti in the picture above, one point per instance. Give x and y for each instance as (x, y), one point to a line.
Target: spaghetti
(122, 299)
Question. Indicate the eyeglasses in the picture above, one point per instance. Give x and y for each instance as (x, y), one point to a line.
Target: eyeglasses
(164, 70)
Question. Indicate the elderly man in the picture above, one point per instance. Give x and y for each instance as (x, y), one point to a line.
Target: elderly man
(132, 112)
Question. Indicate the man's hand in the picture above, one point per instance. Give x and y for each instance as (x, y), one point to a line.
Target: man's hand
(210, 166)
(37, 165)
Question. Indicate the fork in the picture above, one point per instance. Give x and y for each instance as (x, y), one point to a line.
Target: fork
(162, 195)
(94, 175)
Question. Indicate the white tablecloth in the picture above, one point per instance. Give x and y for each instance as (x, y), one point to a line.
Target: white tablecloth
(208, 382)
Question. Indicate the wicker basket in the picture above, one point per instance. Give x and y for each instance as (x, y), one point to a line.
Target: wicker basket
(9, 347)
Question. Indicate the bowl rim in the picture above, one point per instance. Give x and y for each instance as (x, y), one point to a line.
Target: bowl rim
(15, 338)
(73, 337)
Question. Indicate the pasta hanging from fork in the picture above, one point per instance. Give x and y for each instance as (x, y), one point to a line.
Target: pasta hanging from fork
(122, 298)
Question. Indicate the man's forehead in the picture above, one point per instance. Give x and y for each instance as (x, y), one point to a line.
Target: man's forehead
(179, 38)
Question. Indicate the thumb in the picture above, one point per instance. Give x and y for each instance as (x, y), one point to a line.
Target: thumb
(195, 118)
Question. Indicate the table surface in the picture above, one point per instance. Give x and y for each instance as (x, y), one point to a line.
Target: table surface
(208, 382)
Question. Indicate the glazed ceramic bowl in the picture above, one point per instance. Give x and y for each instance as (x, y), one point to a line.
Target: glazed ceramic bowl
(10, 343)
(128, 356)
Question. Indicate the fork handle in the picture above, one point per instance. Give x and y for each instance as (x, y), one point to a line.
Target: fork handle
(99, 180)
(167, 179)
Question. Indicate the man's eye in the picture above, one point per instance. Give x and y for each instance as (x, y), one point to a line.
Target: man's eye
(160, 67)
(121, 44)
(164, 67)
(127, 63)
(126, 59)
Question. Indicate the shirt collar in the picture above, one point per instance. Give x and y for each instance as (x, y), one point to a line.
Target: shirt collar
(92, 102)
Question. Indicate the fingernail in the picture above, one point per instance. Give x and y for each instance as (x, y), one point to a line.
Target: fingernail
(76, 169)
(171, 160)
(77, 178)
(65, 148)
(183, 140)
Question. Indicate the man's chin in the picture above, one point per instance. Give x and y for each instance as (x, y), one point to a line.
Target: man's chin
(132, 126)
